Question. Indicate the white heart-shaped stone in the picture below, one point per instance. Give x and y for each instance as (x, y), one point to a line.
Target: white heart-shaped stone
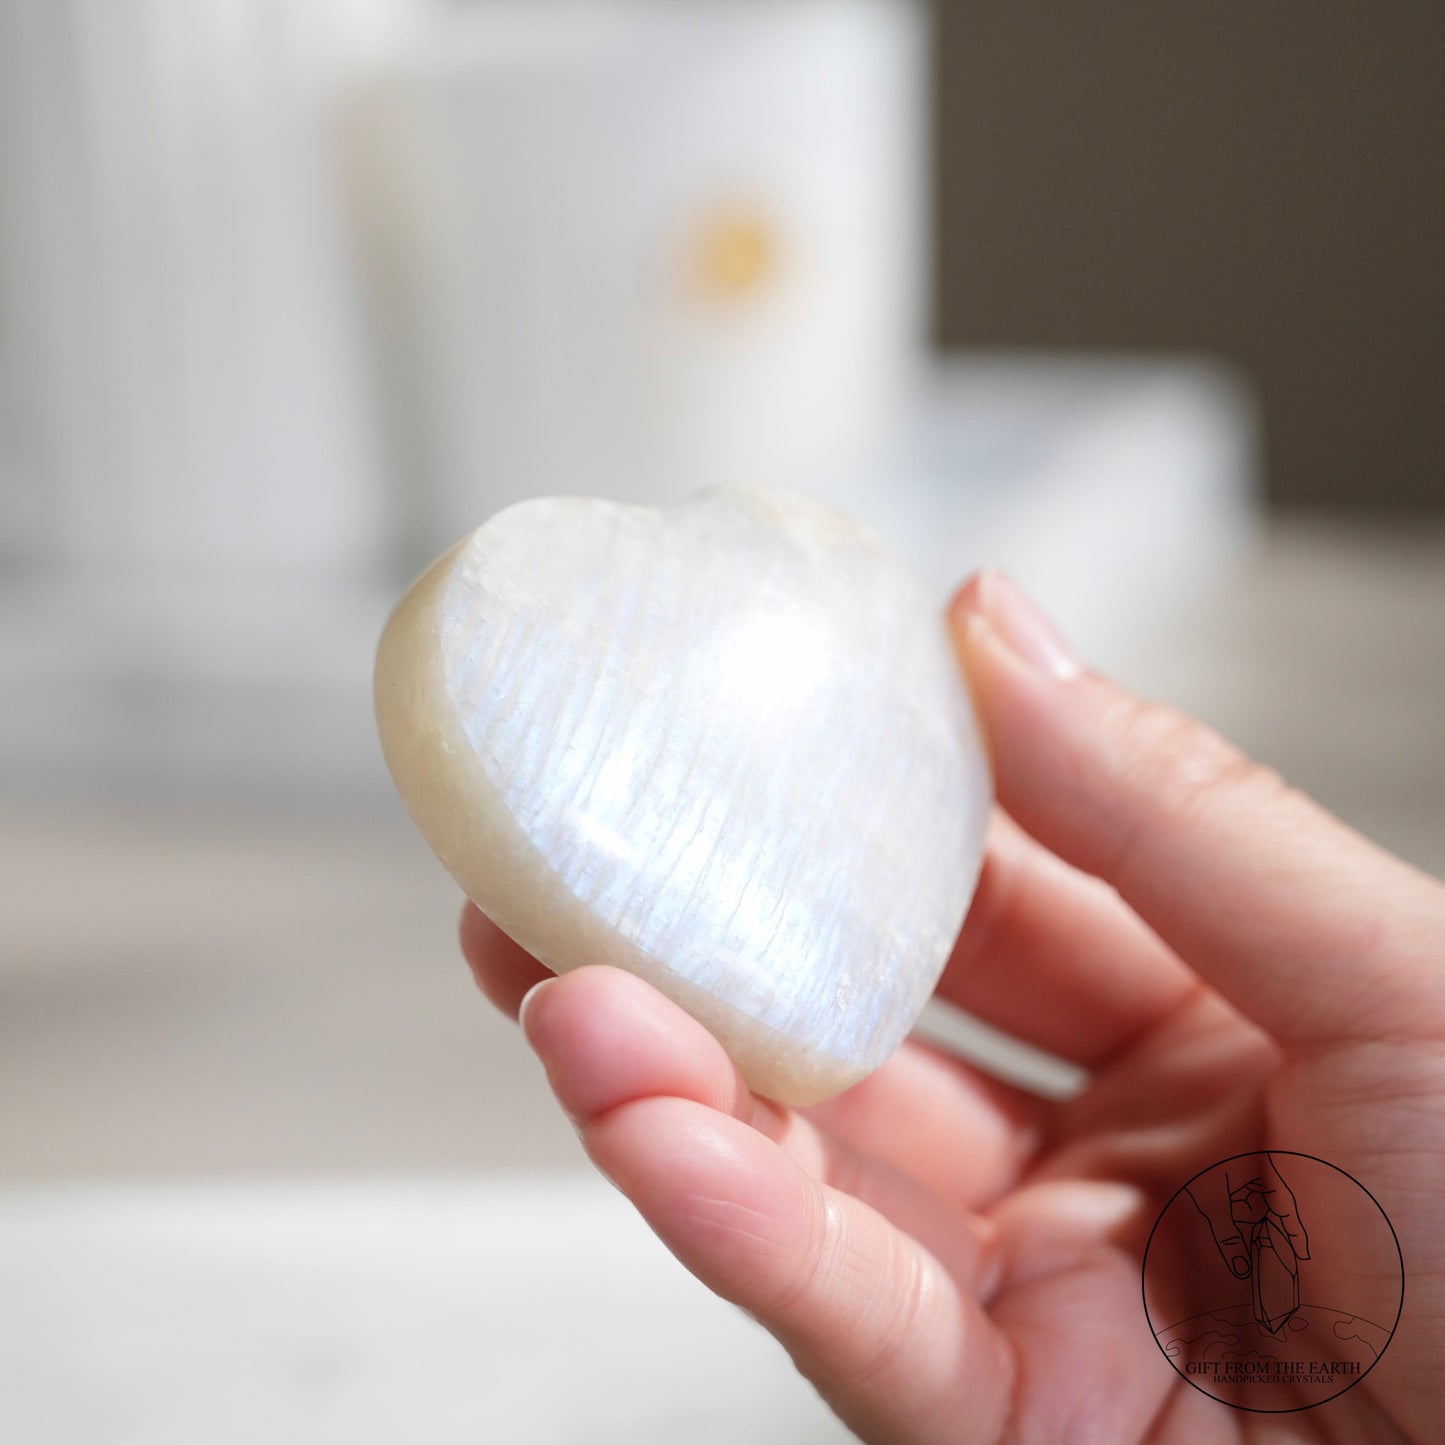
(724, 745)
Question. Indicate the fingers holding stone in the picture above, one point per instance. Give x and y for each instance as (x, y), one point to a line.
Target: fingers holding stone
(608, 1041)
(1056, 958)
(606, 1038)
(963, 1136)
(952, 1131)
(1304, 926)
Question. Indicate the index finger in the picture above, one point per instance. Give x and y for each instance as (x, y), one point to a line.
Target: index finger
(1299, 922)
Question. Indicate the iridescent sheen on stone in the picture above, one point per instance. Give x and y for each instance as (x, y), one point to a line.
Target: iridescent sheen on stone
(724, 745)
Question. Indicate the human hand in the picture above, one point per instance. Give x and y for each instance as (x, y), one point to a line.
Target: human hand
(948, 1258)
(1256, 1227)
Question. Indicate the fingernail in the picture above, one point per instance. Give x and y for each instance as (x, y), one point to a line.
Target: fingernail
(526, 1003)
(1023, 629)
(1240, 1265)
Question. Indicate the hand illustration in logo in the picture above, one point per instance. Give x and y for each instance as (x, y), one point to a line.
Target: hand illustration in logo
(1255, 1221)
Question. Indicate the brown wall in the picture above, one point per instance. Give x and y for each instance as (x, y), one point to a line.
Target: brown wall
(1262, 179)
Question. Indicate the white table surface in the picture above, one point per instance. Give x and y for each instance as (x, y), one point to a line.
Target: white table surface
(523, 1311)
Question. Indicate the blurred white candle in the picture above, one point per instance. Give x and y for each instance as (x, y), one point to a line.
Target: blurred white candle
(634, 248)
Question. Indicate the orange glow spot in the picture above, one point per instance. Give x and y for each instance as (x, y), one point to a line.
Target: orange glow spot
(737, 255)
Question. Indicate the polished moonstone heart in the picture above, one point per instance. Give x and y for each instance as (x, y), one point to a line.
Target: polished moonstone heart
(724, 745)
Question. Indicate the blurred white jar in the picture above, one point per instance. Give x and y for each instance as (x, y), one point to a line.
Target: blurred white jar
(634, 247)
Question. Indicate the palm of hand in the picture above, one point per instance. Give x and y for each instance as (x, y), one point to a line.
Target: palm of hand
(1071, 1225)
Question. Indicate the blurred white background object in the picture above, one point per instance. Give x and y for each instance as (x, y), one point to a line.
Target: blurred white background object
(182, 383)
(297, 292)
(1122, 491)
(636, 248)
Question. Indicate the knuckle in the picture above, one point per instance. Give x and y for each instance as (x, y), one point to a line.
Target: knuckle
(1184, 770)
(1182, 763)
(813, 1260)
(897, 1332)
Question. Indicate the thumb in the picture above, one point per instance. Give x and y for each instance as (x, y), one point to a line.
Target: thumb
(1303, 925)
